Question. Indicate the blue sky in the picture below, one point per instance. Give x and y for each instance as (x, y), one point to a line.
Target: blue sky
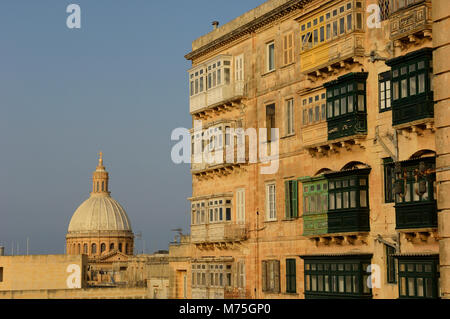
(119, 85)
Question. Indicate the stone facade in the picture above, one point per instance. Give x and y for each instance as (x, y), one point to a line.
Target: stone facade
(298, 64)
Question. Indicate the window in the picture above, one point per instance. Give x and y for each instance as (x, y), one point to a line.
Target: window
(418, 277)
(241, 274)
(314, 109)
(94, 249)
(102, 248)
(240, 205)
(1, 274)
(197, 81)
(271, 276)
(348, 200)
(288, 48)
(384, 9)
(270, 120)
(384, 89)
(271, 213)
(291, 277)
(218, 73)
(315, 197)
(270, 56)
(346, 101)
(85, 248)
(127, 250)
(289, 116)
(239, 68)
(291, 202)
(400, 4)
(390, 265)
(120, 247)
(344, 276)
(389, 180)
(415, 181)
(111, 247)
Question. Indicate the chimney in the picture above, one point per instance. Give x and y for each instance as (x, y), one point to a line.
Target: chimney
(215, 24)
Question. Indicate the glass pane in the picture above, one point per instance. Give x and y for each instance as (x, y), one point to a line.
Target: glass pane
(338, 200)
(404, 89)
(336, 107)
(412, 85)
(320, 284)
(403, 286)
(343, 105)
(429, 287)
(395, 88)
(346, 200)
(332, 203)
(353, 199)
(361, 103)
(327, 283)
(363, 198)
(421, 80)
(411, 290)
(341, 283)
(308, 285)
(420, 287)
(350, 103)
(314, 283)
(348, 284)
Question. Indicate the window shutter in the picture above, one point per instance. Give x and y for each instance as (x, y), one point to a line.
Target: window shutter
(291, 48)
(294, 199)
(264, 275)
(277, 275)
(287, 198)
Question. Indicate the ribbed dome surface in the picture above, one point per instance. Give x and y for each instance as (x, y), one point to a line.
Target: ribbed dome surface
(99, 213)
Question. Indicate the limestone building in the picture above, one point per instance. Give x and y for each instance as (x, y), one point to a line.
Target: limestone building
(357, 90)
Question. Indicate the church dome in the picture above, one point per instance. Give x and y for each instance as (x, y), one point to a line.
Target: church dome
(99, 213)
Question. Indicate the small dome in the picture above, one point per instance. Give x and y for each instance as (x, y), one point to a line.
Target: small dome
(99, 213)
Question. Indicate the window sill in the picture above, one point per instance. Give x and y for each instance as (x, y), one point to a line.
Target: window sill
(290, 294)
(290, 219)
(270, 221)
(288, 65)
(288, 136)
(268, 73)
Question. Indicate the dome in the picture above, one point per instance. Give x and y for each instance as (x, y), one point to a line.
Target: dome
(99, 213)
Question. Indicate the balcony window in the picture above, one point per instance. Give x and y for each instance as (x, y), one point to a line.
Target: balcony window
(338, 22)
(197, 82)
(337, 277)
(415, 194)
(314, 109)
(412, 95)
(348, 201)
(315, 205)
(346, 105)
(218, 73)
(389, 180)
(401, 4)
(418, 277)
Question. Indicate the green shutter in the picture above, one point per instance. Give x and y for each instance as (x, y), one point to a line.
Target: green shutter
(287, 201)
(294, 199)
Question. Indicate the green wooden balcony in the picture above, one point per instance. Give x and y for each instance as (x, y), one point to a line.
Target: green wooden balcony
(416, 215)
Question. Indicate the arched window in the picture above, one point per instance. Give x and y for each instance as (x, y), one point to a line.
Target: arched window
(111, 246)
(94, 249)
(79, 249)
(98, 186)
(120, 247)
(102, 248)
(85, 248)
(103, 186)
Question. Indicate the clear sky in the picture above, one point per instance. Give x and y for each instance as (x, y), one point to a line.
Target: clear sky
(119, 85)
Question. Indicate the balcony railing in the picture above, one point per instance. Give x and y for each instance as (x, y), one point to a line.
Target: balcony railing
(347, 125)
(220, 158)
(315, 224)
(352, 220)
(216, 96)
(416, 215)
(218, 233)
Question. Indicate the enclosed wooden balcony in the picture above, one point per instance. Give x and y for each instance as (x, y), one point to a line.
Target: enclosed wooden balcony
(215, 86)
(411, 21)
(332, 38)
(218, 233)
